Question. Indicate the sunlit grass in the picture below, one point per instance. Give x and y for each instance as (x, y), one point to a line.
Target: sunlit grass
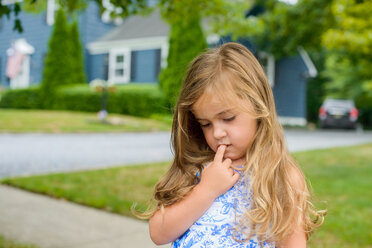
(19, 121)
(6, 243)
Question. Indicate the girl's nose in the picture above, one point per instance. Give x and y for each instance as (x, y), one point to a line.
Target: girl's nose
(219, 133)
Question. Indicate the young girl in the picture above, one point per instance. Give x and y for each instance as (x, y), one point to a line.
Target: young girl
(233, 182)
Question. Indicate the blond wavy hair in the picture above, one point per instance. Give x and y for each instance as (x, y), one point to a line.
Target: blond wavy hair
(280, 193)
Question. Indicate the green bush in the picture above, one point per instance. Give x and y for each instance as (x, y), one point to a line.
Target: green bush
(133, 99)
(138, 100)
(29, 98)
(186, 41)
(64, 61)
(364, 105)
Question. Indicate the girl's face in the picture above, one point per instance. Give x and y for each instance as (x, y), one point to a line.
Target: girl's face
(223, 124)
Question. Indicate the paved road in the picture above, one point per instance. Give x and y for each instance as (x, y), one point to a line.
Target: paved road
(24, 154)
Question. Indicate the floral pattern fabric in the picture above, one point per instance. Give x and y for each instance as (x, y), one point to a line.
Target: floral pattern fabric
(215, 227)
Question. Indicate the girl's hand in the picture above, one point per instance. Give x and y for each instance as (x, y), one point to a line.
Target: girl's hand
(218, 177)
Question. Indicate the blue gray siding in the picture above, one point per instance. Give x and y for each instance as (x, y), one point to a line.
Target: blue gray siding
(91, 28)
(145, 66)
(290, 87)
(37, 33)
(97, 67)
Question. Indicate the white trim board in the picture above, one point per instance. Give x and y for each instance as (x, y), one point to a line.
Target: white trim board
(9, 2)
(292, 121)
(100, 47)
(313, 72)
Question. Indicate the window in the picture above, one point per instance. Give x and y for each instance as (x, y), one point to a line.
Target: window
(119, 66)
(268, 63)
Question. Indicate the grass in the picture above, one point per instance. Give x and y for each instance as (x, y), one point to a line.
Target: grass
(341, 179)
(113, 189)
(21, 121)
(5, 243)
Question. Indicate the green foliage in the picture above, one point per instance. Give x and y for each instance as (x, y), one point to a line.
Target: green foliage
(64, 61)
(21, 98)
(6, 243)
(349, 59)
(137, 100)
(185, 42)
(77, 64)
(278, 28)
(315, 88)
(35, 7)
(57, 67)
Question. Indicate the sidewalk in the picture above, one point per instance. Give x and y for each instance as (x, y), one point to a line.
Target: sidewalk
(48, 223)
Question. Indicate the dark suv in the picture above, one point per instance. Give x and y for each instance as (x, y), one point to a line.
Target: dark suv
(338, 114)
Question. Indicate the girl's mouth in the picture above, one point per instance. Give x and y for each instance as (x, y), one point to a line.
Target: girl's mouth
(227, 145)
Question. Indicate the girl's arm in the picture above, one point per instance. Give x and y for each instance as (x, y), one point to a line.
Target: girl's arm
(298, 238)
(217, 178)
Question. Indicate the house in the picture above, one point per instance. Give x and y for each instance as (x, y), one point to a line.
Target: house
(22, 54)
(135, 51)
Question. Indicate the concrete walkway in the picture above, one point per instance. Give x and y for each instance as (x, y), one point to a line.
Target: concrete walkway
(35, 219)
(49, 223)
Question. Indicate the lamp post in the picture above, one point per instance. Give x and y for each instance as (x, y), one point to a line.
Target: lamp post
(105, 87)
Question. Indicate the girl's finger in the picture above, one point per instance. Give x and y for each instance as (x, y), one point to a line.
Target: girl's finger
(227, 162)
(235, 177)
(218, 158)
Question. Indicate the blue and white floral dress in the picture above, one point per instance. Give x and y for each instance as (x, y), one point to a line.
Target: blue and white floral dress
(214, 228)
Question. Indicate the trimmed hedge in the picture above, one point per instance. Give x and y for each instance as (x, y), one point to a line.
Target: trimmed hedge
(29, 98)
(132, 99)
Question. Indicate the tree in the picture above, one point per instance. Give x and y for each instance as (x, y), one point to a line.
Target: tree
(349, 44)
(186, 39)
(127, 8)
(185, 42)
(277, 27)
(77, 63)
(58, 60)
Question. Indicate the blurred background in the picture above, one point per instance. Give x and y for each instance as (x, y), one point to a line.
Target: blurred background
(86, 85)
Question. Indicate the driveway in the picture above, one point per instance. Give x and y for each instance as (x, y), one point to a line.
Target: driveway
(25, 154)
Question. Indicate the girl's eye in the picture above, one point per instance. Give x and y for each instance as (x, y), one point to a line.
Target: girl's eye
(229, 119)
(204, 125)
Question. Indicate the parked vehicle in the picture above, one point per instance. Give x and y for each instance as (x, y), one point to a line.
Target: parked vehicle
(338, 114)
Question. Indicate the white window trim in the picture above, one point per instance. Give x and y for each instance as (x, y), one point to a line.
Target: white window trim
(113, 66)
(9, 2)
(164, 55)
(270, 71)
(292, 121)
(50, 15)
(313, 72)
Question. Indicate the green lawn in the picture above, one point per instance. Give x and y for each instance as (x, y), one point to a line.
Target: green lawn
(20, 121)
(5, 243)
(341, 180)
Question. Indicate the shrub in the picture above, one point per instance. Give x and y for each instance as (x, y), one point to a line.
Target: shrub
(133, 99)
(138, 100)
(21, 98)
(57, 69)
(185, 42)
